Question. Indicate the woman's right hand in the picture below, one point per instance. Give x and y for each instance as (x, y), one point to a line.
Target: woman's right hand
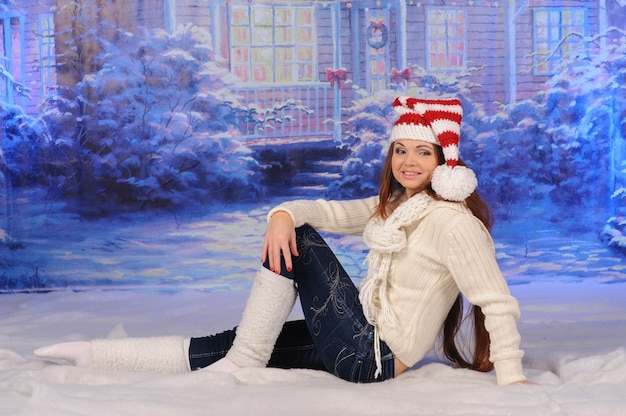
(280, 239)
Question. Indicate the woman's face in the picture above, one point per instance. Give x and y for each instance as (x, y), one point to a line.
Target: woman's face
(413, 163)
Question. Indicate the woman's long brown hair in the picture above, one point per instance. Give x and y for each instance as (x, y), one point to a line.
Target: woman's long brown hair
(390, 196)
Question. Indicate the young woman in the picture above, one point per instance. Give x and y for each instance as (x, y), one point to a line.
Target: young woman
(427, 232)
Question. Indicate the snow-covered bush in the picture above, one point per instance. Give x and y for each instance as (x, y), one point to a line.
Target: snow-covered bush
(614, 231)
(565, 144)
(366, 131)
(23, 139)
(155, 126)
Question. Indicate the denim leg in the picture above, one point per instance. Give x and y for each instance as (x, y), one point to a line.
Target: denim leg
(333, 312)
(294, 348)
(204, 351)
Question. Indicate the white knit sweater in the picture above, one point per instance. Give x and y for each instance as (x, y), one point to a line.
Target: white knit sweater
(448, 250)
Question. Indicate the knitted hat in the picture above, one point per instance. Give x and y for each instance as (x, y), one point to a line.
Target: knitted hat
(437, 122)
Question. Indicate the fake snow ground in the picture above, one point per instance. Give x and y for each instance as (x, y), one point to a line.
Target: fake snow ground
(573, 334)
(573, 326)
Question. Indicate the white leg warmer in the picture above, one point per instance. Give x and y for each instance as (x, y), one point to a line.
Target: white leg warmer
(155, 354)
(271, 299)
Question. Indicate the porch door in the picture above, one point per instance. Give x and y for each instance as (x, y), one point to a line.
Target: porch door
(376, 49)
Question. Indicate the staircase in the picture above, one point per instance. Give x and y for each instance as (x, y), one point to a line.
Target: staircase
(300, 168)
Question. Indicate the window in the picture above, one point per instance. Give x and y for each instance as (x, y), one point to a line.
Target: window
(47, 59)
(272, 43)
(446, 38)
(551, 30)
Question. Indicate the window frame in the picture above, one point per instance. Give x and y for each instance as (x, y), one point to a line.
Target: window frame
(555, 42)
(450, 42)
(47, 54)
(267, 55)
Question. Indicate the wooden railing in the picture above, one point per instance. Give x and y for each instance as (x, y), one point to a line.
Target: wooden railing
(299, 110)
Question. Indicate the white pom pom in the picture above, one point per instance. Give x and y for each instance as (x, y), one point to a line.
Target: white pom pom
(454, 184)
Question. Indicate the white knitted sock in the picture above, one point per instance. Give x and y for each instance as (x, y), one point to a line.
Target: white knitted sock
(154, 354)
(77, 353)
(271, 299)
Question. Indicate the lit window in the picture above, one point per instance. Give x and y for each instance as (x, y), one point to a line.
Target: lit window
(272, 43)
(552, 30)
(47, 55)
(446, 38)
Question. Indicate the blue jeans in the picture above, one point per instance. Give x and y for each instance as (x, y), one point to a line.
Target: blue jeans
(334, 335)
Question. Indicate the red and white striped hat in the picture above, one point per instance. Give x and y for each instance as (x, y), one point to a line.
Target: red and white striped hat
(438, 122)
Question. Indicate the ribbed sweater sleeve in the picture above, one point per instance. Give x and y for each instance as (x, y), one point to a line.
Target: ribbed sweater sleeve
(469, 254)
(341, 217)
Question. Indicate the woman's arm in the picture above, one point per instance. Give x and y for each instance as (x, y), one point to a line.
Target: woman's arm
(469, 254)
(342, 217)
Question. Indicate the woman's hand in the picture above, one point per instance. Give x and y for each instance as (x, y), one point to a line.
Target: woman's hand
(280, 239)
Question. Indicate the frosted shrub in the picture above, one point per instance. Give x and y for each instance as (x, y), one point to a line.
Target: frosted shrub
(155, 126)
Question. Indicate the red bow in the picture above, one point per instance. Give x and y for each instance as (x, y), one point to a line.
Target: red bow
(377, 25)
(402, 76)
(337, 75)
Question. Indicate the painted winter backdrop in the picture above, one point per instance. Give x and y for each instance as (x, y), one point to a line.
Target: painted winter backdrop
(136, 176)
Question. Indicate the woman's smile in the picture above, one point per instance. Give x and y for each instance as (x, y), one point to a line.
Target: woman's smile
(410, 174)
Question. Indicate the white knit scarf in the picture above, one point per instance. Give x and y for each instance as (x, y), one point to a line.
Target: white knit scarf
(384, 238)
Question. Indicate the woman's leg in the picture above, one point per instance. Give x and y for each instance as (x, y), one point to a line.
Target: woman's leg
(294, 348)
(270, 301)
(333, 312)
(336, 336)
(151, 354)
